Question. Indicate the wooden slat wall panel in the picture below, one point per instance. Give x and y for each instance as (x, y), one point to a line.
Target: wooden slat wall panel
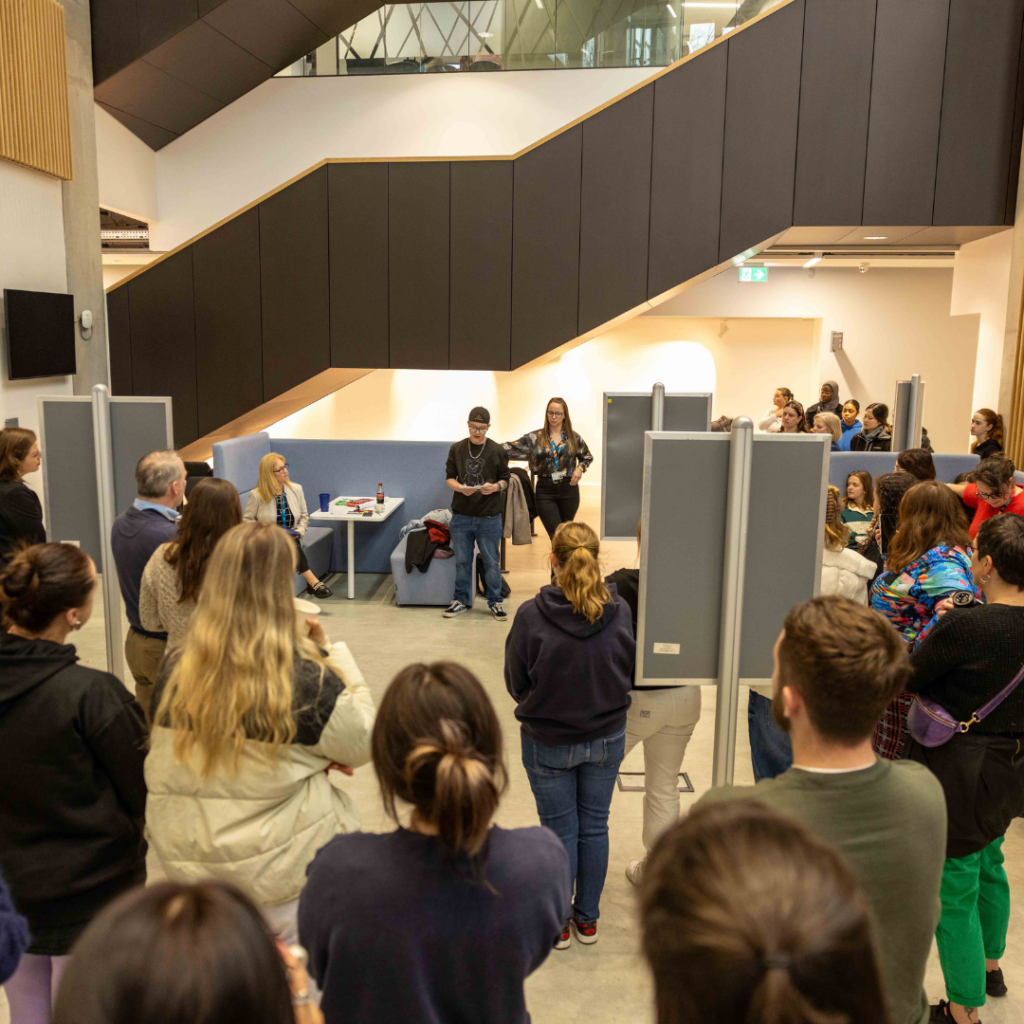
(35, 127)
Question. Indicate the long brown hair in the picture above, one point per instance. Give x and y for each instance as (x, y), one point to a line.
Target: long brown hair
(869, 489)
(996, 420)
(437, 745)
(15, 444)
(576, 549)
(930, 516)
(212, 509)
(570, 434)
(746, 916)
(801, 423)
(837, 533)
(890, 489)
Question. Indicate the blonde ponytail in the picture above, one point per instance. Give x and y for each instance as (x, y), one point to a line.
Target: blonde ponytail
(576, 549)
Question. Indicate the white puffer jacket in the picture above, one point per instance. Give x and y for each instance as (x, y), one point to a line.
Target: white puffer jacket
(261, 827)
(846, 574)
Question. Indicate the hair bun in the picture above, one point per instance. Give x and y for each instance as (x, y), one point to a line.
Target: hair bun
(21, 577)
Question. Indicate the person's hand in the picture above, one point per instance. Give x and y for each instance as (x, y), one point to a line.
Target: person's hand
(316, 632)
(490, 488)
(306, 1011)
(945, 605)
(577, 473)
(343, 768)
(467, 490)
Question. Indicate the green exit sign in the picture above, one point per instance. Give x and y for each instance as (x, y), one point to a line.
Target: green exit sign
(753, 273)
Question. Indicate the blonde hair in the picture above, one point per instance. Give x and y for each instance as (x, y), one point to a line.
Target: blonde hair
(837, 533)
(265, 485)
(576, 547)
(832, 421)
(235, 678)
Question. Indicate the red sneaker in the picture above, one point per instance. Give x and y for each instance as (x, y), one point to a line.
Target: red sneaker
(562, 942)
(586, 931)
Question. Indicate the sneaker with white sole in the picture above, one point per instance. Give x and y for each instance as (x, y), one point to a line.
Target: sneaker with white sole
(562, 942)
(498, 612)
(455, 608)
(635, 871)
(586, 931)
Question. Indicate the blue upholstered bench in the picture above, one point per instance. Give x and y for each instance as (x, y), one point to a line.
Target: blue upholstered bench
(436, 586)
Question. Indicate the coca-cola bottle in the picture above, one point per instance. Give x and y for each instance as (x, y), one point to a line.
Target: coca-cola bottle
(380, 497)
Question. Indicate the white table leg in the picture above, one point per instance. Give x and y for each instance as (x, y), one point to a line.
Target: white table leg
(351, 560)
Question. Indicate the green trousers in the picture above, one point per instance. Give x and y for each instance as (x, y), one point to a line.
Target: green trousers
(975, 915)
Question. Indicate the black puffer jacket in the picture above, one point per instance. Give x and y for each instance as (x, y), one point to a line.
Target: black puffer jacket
(72, 746)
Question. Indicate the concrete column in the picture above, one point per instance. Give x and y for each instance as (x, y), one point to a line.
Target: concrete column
(81, 202)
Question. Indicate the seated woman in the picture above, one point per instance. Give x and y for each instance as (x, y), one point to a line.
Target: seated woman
(926, 562)
(772, 422)
(828, 401)
(569, 666)
(828, 423)
(844, 572)
(276, 499)
(442, 920)
(792, 418)
(966, 660)
(746, 917)
(21, 515)
(851, 425)
(858, 506)
(174, 573)
(170, 952)
(917, 462)
(876, 435)
(992, 491)
(73, 743)
(987, 431)
(252, 715)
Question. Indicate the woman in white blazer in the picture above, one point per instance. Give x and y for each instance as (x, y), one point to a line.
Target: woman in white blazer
(256, 720)
(276, 499)
(844, 572)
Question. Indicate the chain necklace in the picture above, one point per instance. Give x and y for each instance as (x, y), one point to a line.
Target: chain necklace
(479, 453)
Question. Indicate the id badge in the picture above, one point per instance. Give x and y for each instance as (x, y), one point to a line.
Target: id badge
(559, 474)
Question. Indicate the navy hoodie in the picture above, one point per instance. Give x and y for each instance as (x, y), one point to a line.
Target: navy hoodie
(570, 678)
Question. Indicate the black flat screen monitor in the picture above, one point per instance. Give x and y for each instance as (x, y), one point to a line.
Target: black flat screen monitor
(40, 334)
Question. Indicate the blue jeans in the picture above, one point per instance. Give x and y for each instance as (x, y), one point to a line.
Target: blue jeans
(573, 787)
(486, 531)
(770, 748)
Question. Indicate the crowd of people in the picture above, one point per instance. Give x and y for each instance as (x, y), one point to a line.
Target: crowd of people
(886, 751)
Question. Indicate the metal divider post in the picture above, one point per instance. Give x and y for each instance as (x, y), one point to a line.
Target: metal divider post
(108, 510)
(658, 407)
(734, 571)
(914, 412)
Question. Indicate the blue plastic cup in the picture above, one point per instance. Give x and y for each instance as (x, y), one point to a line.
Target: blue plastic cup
(325, 501)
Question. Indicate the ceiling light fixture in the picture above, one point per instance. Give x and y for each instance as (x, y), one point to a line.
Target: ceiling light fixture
(689, 3)
(875, 238)
(671, 10)
(812, 261)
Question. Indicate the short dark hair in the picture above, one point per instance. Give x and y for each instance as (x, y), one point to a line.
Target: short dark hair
(881, 412)
(171, 953)
(478, 414)
(846, 662)
(853, 402)
(917, 462)
(745, 916)
(43, 581)
(996, 471)
(1001, 538)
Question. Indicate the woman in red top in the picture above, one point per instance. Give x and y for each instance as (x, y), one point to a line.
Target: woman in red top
(992, 492)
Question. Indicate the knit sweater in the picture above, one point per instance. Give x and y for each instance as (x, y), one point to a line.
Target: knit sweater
(970, 655)
(159, 607)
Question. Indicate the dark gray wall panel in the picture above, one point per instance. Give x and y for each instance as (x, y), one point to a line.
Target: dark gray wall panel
(161, 19)
(546, 246)
(294, 284)
(358, 205)
(418, 227)
(762, 100)
(271, 30)
(115, 36)
(686, 170)
(163, 339)
(151, 135)
(978, 99)
(906, 97)
(481, 265)
(615, 209)
(835, 95)
(229, 365)
(119, 341)
(1018, 128)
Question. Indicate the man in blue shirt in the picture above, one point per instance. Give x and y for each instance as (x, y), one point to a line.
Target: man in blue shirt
(136, 534)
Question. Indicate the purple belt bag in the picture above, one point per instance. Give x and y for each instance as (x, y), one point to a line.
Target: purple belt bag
(932, 725)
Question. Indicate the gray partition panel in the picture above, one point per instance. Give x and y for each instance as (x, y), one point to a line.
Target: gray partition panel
(627, 416)
(138, 426)
(785, 541)
(681, 557)
(69, 473)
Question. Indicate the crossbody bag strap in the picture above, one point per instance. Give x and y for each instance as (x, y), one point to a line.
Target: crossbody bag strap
(986, 709)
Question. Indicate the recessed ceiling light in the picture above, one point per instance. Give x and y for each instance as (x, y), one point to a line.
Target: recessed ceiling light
(875, 238)
(812, 261)
(671, 10)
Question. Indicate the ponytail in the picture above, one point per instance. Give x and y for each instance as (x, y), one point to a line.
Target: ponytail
(576, 548)
(996, 420)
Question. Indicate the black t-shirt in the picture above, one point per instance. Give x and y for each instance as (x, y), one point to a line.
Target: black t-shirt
(398, 931)
(987, 448)
(470, 464)
(628, 583)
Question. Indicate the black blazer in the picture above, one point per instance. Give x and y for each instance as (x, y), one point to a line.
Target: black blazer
(21, 518)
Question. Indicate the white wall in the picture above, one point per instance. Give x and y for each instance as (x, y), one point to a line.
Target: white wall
(31, 258)
(895, 323)
(127, 169)
(287, 125)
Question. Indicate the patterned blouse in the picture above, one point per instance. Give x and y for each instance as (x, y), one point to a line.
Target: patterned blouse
(908, 600)
(545, 457)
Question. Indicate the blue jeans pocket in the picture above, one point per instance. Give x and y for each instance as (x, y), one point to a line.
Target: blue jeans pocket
(614, 750)
(551, 760)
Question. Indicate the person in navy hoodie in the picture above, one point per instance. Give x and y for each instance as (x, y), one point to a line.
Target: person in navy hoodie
(569, 665)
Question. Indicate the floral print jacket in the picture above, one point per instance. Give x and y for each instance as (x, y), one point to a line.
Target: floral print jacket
(546, 458)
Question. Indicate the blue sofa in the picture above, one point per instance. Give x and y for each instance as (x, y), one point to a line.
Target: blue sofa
(947, 467)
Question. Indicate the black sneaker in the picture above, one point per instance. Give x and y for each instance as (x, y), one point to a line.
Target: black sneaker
(562, 942)
(994, 984)
(455, 608)
(941, 1014)
(586, 931)
(319, 591)
(498, 612)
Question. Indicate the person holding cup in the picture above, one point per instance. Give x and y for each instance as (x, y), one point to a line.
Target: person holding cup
(254, 714)
(277, 499)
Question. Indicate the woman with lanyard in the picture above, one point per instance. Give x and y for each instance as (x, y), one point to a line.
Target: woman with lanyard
(558, 457)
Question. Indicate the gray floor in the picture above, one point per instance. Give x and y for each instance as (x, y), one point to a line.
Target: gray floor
(606, 983)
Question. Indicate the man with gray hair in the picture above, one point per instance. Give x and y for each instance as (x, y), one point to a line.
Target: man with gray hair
(136, 534)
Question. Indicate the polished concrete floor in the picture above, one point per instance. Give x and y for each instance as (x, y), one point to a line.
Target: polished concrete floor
(606, 983)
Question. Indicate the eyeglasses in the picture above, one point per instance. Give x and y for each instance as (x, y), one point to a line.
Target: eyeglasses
(988, 497)
(556, 415)
(479, 426)
(283, 469)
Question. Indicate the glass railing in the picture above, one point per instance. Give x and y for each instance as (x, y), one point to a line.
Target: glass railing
(516, 35)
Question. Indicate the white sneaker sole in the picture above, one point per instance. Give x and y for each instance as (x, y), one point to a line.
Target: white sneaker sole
(562, 945)
(587, 940)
